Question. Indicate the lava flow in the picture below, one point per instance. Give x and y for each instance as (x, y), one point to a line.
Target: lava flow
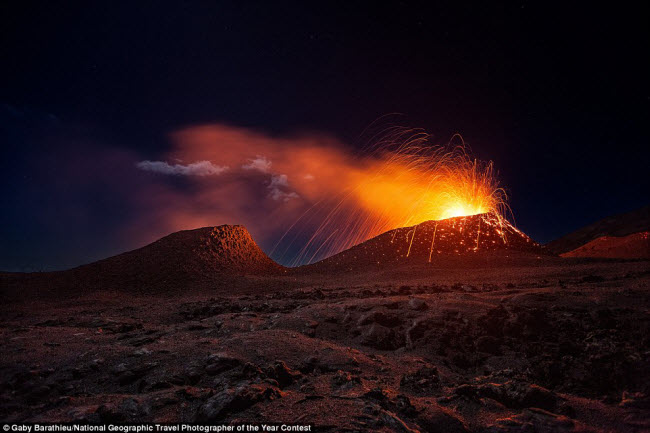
(403, 180)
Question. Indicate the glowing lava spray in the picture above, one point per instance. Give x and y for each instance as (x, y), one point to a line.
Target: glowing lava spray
(402, 179)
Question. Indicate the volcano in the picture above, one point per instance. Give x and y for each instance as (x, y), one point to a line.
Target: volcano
(201, 256)
(425, 242)
(226, 249)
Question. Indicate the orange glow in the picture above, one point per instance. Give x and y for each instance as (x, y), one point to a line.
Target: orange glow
(406, 195)
(330, 197)
(404, 182)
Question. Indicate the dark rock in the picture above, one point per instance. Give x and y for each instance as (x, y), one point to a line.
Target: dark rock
(536, 396)
(220, 362)
(535, 420)
(283, 374)
(404, 406)
(461, 360)
(128, 377)
(435, 419)
(191, 375)
(604, 318)
(134, 373)
(420, 328)
(384, 319)
(308, 388)
(126, 327)
(592, 279)
(160, 401)
(422, 380)
(119, 369)
(197, 327)
(309, 364)
(85, 414)
(493, 322)
(466, 390)
(252, 371)
(345, 379)
(391, 305)
(636, 400)
(530, 323)
(96, 363)
(417, 304)
(517, 395)
(160, 385)
(193, 393)
(38, 393)
(488, 344)
(393, 422)
(404, 290)
(234, 400)
(380, 337)
(272, 382)
(128, 410)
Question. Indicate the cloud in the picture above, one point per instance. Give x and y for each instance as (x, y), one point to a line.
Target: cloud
(279, 183)
(279, 180)
(200, 168)
(259, 163)
(276, 186)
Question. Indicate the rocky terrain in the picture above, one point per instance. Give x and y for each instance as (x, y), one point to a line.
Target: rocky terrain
(559, 346)
(499, 338)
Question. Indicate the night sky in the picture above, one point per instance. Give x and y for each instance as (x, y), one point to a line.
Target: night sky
(556, 95)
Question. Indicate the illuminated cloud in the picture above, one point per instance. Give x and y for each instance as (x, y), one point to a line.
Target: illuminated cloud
(277, 185)
(259, 163)
(200, 168)
(279, 180)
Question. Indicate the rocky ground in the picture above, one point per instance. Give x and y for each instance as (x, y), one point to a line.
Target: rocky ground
(525, 346)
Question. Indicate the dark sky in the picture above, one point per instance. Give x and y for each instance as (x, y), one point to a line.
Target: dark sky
(556, 95)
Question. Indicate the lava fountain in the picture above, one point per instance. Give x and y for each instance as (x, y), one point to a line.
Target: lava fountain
(402, 179)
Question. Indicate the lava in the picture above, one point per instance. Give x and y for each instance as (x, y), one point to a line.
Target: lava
(403, 180)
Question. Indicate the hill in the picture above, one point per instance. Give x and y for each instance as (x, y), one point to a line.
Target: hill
(634, 246)
(186, 257)
(620, 225)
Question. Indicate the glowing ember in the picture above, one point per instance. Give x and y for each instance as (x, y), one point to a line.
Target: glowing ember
(404, 182)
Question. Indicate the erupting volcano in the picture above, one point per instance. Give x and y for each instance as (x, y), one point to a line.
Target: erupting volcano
(403, 180)
(423, 243)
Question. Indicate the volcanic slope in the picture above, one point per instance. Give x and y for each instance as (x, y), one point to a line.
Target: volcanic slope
(615, 226)
(425, 242)
(634, 246)
(180, 259)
